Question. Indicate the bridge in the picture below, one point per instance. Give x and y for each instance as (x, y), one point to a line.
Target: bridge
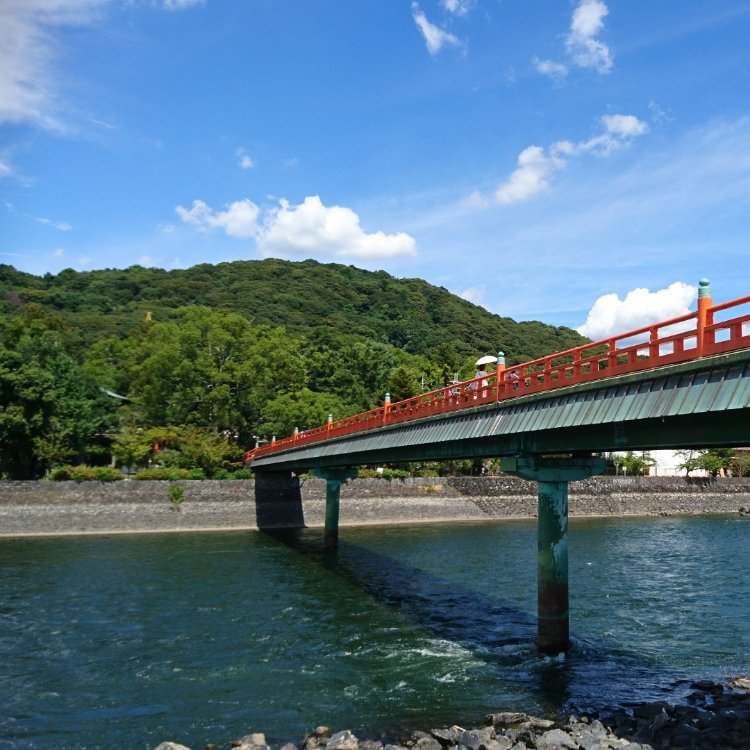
(680, 383)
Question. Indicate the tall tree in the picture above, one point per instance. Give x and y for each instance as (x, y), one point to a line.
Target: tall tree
(50, 412)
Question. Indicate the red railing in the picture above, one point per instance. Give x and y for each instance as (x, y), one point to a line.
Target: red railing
(710, 330)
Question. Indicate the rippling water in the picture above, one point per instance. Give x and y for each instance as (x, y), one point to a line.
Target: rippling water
(122, 642)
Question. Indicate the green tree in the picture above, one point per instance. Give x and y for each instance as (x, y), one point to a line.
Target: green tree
(633, 464)
(714, 461)
(404, 383)
(182, 447)
(212, 369)
(50, 412)
(302, 409)
(740, 463)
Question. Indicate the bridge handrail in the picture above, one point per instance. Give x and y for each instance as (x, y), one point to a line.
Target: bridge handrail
(683, 338)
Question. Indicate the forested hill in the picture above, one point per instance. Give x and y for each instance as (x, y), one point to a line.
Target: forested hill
(322, 302)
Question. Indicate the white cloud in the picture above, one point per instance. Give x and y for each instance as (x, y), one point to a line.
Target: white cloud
(181, 4)
(610, 315)
(618, 130)
(582, 46)
(58, 253)
(550, 68)
(536, 167)
(458, 7)
(240, 219)
(5, 168)
(244, 160)
(435, 37)
(62, 226)
(473, 294)
(531, 177)
(625, 126)
(311, 228)
(28, 53)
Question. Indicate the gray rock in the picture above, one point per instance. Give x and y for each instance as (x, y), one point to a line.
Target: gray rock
(342, 741)
(256, 738)
(171, 746)
(506, 718)
(555, 739)
(501, 743)
(319, 736)
(288, 746)
(475, 739)
(427, 743)
(446, 736)
(368, 745)
(535, 723)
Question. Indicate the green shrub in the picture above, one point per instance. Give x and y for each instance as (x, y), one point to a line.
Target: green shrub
(168, 474)
(176, 494)
(61, 474)
(241, 474)
(108, 474)
(395, 474)
(85, 474)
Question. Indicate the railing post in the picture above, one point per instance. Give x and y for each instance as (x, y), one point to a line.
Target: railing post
(329, 423)
(653, 343)
(499, 370)
(295, 437)
(704, 302)
(386, 407)
(612, 354)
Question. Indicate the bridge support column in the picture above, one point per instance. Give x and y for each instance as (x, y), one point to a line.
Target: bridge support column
(552, 476)
(334, 478)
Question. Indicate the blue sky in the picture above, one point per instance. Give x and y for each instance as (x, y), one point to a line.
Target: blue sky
(579, 162)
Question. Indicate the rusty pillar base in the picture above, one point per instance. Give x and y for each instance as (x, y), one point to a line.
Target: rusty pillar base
(553, 633)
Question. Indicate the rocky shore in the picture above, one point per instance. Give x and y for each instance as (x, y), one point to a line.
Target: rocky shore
(714, 717)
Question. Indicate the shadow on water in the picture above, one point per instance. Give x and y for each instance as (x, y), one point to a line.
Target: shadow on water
(589, 679)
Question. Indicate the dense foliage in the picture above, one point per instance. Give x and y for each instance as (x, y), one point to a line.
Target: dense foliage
(319, 301)
(186, 369)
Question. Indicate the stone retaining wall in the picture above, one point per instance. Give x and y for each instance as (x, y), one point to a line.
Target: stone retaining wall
(132, 506)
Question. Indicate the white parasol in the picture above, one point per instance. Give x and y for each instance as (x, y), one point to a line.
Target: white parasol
(487, 360)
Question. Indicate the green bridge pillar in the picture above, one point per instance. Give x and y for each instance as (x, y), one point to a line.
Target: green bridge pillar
(552, 476)
(334, 478)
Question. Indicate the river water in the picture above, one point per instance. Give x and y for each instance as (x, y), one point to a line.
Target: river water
(121, 642)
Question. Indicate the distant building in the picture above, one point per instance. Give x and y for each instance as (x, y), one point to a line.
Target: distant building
(668, 465)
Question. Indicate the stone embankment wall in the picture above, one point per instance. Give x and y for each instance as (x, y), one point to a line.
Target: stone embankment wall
(130, 506)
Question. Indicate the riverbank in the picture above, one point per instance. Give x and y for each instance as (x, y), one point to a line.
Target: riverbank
(714, 717)
(41, 508)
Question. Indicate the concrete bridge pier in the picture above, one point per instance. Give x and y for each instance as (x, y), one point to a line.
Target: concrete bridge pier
(334, 478)
(552, 476)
